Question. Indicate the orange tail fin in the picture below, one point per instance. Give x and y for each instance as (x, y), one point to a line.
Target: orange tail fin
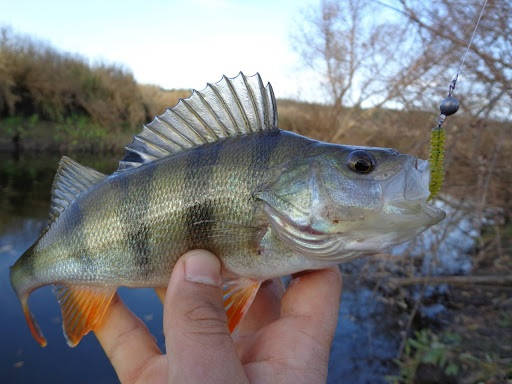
(32, 325)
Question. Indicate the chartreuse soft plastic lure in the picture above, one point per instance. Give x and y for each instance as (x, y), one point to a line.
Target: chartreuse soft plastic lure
(448, 107)
(436, 161)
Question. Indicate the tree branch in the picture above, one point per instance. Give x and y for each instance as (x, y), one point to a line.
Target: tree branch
(505, 280)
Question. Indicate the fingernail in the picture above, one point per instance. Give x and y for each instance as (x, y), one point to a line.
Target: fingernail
(202, 267)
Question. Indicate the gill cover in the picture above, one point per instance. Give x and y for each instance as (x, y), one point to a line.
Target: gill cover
(310, 202)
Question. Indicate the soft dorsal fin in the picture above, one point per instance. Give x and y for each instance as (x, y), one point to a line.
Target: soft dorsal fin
(70, 180)
(230, 107)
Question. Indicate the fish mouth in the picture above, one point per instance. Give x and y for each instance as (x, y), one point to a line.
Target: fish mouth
(415, 200)
(418, 211)
(435, 213)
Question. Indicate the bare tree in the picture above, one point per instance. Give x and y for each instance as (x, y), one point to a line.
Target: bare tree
(404, 53)
(359, 50)
(445, 27)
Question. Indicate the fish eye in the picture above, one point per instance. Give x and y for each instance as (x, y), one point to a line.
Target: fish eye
(361, 161)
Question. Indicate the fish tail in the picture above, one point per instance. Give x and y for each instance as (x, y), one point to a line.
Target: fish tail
(22, 281)
(83, 306)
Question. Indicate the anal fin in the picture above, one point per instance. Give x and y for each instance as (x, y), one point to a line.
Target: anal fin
(83, 308)
(238, 296)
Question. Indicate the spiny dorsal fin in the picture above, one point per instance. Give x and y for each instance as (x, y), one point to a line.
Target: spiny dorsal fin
(70, 180)
(231, 107)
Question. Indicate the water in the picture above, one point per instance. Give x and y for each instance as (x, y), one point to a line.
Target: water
(367, 335)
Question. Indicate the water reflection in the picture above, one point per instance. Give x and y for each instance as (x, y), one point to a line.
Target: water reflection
(365, 342)
(366, 339)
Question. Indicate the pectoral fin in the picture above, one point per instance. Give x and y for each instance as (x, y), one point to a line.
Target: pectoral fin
(83, 308)
(238, 297)
(160, 292)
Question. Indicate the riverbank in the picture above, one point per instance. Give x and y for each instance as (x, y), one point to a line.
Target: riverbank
(52, 100)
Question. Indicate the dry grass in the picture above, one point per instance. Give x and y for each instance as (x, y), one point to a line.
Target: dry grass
(76, 105)
(478, 176)
(36, 79)
(157, 99)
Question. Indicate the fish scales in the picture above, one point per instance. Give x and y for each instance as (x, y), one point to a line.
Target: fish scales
(216, 173)
(198, 199)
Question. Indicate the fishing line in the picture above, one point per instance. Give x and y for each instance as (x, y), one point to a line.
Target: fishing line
(448, 107)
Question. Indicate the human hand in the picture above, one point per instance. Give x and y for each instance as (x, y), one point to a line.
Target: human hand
(283, 339)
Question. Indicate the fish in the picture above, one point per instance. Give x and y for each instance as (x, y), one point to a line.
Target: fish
(215, 172)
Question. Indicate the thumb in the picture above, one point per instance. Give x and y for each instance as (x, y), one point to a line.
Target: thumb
(199, 346)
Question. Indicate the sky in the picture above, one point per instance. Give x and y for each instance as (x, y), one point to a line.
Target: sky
(175, 44)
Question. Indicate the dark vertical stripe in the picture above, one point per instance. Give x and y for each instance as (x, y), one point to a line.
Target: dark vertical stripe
(138, 240)
(74, 232)
(75, 224)
(267, 143)
(199, 221)
(199, 216)
(134, 198)
(24, 266)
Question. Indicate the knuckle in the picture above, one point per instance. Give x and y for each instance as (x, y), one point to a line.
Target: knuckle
(206, 319)
(334, 273)
(115, 352)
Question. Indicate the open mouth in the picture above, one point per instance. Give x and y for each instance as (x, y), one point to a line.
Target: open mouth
(437, 214)
(417, 208)
(413, 204)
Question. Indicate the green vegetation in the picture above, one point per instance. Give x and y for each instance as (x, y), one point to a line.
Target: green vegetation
(36, 79)
(426, 348)
(429, 356)
(71, 133)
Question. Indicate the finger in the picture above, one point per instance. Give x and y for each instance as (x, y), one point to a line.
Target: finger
(265, 309)
(300, 340)
(314, 297)
(126, 342)
(198, 342)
